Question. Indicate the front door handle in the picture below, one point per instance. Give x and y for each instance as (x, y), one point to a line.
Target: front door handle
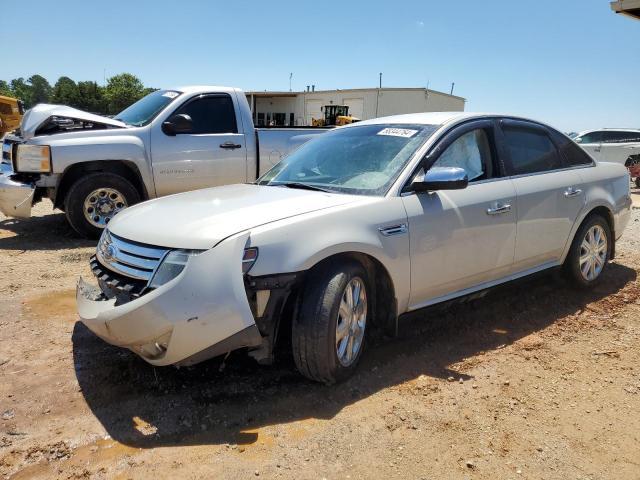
(499, 208)
(572, 192)
(230, 145)
(597, 149)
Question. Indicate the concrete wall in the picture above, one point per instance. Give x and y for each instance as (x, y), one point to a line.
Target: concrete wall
(363, 103)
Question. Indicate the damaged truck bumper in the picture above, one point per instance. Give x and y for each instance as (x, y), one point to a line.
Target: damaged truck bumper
(15, 197)
(200, 314)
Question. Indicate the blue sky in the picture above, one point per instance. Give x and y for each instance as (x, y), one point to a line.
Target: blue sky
(573, 63)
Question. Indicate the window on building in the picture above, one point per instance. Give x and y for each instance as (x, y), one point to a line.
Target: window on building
(530, 151)
(291, 120)
(211, 114)
(279, 119)
(260, 122)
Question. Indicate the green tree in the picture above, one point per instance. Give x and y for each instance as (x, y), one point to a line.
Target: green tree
(22, 91)
(91, 97)
(65, 92)
(5, 89)
(121, 91)
(40, 89)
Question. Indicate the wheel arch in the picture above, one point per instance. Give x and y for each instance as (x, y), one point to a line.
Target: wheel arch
(604, 211)
(125, 168)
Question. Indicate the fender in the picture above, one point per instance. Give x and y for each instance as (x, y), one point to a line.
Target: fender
(287, 246)
(69, 152)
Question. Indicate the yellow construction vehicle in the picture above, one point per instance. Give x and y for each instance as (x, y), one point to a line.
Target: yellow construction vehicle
(11, 111)
(334, 115)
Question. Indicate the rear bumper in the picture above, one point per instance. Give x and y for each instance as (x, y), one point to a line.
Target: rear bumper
(15, 197)
(202, 313)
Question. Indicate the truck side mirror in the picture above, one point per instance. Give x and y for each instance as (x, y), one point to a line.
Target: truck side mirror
(180, 123)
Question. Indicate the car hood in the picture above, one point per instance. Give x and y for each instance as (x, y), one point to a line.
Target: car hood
(35, 117)
(202, 218)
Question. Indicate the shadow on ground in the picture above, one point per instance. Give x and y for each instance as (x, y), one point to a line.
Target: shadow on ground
(48, 232)
(146, 407)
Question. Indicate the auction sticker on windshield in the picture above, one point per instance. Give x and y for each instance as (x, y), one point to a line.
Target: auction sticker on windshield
(398, 132)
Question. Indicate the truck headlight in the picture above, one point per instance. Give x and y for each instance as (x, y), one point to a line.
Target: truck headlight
(171, 266)
(33, 158)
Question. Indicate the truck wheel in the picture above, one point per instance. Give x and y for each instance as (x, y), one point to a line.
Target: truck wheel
(589, 252)
(328, 334)
(94, 199)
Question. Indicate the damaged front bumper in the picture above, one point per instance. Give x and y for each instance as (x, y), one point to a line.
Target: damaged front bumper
(200, 314)
(16, 197)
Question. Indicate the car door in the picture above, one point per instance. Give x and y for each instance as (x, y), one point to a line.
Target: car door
(460, 239)
(212, 153)
(548, 192)
(617, 146)
(592, 143)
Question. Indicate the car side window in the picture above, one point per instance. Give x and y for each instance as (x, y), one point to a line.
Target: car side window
(592, 137)
(471, 152)
(620, 137)
(530, 151)
(211, 114)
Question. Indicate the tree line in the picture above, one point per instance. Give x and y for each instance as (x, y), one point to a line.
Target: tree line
(120, 91)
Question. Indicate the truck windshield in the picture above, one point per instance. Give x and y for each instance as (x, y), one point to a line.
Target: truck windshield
(362, 160)
(145, 109)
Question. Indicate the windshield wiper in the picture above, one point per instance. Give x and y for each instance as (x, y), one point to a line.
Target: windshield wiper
(303, 186)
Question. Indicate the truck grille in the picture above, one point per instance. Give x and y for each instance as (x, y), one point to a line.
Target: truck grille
(129, 259)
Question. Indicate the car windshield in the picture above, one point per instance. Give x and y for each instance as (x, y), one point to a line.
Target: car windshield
(362, 160)
(145, 109)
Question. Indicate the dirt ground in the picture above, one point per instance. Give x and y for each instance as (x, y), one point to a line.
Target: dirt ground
(536, 380)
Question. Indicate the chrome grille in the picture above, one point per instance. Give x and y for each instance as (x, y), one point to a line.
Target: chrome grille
(128, 258)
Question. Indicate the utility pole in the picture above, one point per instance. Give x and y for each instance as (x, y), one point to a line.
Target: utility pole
(380, 83)
(290, 77)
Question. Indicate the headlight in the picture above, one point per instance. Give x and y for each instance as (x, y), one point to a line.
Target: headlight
(33, 158)
(249, 258)
(171, 266)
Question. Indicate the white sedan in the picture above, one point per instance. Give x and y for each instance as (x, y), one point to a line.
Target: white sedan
(349, 232)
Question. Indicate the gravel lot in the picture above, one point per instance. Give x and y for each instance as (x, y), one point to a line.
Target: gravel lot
(534, 381)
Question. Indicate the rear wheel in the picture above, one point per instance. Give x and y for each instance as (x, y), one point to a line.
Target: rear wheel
(93, 200)
(328, 334)
(589, 252)
(638, 182)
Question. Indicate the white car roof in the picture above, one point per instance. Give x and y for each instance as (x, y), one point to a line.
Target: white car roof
(203, 89)
(436, 118)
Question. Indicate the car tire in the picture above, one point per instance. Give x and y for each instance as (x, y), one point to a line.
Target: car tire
(318, 331)
(589, 253)
(101, 193)
(638, 182)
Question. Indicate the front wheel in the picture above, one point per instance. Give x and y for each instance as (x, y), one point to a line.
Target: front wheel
(589, 252)
(328, 334)
(93, 200)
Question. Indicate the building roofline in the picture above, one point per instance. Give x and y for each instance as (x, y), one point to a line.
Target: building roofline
(630, 8)
(266, 93)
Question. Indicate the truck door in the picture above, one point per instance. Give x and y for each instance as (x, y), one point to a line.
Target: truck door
(211, 153)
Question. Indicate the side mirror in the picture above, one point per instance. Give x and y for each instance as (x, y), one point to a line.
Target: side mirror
(180, 123)
(440, 178)
(578, 140)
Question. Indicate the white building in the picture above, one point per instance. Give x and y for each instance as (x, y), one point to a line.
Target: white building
(299, 108)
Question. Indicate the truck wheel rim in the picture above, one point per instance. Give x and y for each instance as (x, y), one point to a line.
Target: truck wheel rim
(351, 322)
(593, 253)
(102, 204)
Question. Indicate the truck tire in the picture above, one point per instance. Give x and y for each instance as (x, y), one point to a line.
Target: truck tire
(328, 334)
(94, 199)
(589, 253)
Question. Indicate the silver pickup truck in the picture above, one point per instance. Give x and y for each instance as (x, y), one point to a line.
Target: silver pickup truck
(170, 141)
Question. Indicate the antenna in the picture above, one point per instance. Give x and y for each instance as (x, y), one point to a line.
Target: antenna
(453, 84)
(290, 77)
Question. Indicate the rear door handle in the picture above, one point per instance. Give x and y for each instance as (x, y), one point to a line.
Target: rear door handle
(572, 192)
(597, 149)
(499, 208)
(230, 145)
